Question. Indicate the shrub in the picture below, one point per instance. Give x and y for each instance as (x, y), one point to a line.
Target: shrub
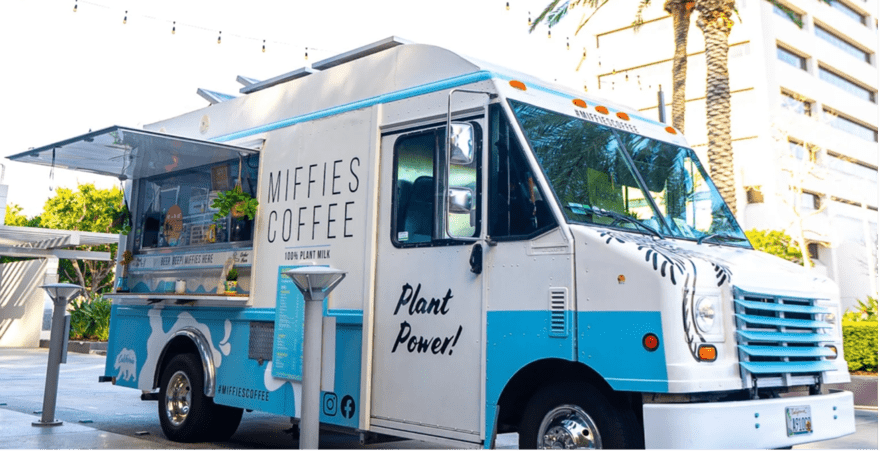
(90, 319)
(775, 242)
(867, 311)
(860, 345)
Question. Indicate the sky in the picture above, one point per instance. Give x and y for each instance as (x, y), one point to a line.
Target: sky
(72, 72)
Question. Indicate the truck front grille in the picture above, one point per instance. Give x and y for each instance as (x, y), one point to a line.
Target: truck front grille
(781, 340)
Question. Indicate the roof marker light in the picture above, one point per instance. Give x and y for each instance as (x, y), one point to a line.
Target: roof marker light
(518, 85)
(579, 103)
(671, 130)
(623, 115)
(602, 109)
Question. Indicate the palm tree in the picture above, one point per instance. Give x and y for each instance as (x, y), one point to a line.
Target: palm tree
(681, 14)
(714, 20)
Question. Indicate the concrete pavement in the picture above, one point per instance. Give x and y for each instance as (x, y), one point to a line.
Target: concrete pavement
(101, 415)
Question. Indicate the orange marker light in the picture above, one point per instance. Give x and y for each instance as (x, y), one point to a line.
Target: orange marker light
(708, 353)
(671, 130)
(579, 102)
(602, 109)
(518, 85)
(650, 342)
(623, 115)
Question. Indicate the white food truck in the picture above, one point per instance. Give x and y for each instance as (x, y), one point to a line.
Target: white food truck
(561, 267)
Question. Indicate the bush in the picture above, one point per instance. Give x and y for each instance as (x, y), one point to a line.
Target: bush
(775, 242)
(90, 319)
(860, 345)
(867, 311)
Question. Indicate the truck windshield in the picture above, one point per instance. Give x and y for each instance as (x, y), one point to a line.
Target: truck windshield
(611, 177)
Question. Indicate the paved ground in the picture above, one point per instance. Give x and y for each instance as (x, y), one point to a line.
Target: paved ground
(105, 416)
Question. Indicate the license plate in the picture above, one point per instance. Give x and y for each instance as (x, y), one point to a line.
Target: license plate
(798, 420)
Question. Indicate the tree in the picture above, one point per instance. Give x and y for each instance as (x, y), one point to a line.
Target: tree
(15, 218)
(90, 210)
(776, 242)
(681, 19)
(714, 20)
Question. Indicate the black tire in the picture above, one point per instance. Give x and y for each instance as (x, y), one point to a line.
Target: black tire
(185, 413)
(599, 423)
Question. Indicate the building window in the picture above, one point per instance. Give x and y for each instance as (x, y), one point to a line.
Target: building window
(850, 12)
(786, 12)
(795, 103)
(754, 195)
(810, 201)
(799, 150)
(849, 167)
(847, 85)
(813, 250)
(791, 58)
(850, 126)
(842, 44)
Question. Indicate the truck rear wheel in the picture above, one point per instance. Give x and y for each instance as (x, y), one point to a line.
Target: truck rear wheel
(185, 413)
(577, 416)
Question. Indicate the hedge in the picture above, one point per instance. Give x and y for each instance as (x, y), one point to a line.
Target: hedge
(860, 345)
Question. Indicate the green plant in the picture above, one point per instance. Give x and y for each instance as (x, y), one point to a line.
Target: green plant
(860, 345)
(775, 242)
(90, 319)
(234, 201)
(232, 275)
(867, 311)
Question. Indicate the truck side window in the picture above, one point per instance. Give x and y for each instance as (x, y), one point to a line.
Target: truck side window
(418, 177)
(415, 190)
(518, 209)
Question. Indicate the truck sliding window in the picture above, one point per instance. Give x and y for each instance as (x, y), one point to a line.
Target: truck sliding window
(418, 178)
(517, 207)
(175, 209)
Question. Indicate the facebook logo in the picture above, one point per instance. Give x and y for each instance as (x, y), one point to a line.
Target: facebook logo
(348, 406)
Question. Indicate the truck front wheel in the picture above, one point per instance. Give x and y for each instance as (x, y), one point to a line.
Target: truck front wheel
(576, 416)
(185, 413)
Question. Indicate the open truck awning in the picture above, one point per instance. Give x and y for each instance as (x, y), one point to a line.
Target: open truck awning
(128, 153)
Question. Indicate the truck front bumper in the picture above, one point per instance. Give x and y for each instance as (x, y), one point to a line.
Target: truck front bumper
(758, 423)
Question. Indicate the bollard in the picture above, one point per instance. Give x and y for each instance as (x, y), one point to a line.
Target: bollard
(315, 283)
(61, 294)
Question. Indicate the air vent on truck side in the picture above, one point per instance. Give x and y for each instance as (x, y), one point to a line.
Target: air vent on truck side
(559, 312)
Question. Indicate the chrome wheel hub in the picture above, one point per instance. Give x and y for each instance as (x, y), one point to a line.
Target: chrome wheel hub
(568, 427)
(178, 398)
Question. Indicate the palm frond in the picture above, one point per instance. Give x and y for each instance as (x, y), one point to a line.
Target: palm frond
(639, 20)
(551, 7)
(598, 5)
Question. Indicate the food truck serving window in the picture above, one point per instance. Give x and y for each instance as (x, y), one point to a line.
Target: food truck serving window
(175, 210)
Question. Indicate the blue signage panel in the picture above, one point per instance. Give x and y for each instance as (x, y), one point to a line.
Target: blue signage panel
(287, 352)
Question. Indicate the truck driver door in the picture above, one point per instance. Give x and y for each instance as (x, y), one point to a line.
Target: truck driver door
(428, 314)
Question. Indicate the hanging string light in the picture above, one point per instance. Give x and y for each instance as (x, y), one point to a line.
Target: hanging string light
(75, 5)
(548, 32)
(530, 18)
(174, 27)
(567, 46)
(585, 53)
(218, 36)
(125, 19)
(507, 6)
(307, 53)
(264, 46)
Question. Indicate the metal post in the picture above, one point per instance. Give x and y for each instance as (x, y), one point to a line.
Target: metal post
(61, 295)
(315, 283)
(312, 337)
(661, 104)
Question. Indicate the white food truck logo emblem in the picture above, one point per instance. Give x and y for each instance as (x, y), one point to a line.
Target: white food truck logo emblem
(126, 364)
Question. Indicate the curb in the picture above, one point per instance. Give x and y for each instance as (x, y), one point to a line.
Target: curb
(82, 347)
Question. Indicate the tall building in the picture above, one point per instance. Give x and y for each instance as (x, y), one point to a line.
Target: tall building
(804, 79)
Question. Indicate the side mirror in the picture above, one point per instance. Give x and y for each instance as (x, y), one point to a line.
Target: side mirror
(461, 139)
(461, 200)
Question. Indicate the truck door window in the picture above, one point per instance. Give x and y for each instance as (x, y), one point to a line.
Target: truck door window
(517, 207)
(417, 188)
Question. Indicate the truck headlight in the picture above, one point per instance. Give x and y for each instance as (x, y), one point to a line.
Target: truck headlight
(705, 313)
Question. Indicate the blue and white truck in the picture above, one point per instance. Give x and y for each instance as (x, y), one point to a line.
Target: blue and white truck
(563, 268)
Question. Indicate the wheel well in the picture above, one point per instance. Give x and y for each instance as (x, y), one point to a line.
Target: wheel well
(178, 345)
(535, 375)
